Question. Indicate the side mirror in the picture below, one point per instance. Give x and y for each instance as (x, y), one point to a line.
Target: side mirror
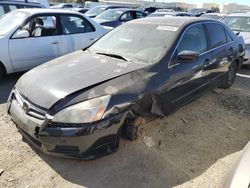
(187, 56)
(21, 34)
(236, 32)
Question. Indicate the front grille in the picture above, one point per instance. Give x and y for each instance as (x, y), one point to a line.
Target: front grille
(28, 107)
(66, 149)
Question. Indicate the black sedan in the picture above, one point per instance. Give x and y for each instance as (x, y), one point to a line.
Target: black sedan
(78, 105)
(114, 17)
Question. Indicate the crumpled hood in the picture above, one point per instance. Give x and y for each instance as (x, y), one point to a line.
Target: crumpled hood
(246, 37)
(52, 81)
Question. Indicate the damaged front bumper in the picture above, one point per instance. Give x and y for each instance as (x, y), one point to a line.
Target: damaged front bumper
(87, 141)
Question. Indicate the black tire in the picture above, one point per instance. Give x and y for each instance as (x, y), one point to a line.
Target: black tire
(1, 74)
(247, 66)
(129, 132)
(230, 76)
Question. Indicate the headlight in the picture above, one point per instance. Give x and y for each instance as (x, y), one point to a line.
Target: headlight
(84, 112)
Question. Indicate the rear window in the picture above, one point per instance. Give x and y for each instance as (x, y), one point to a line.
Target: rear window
(12, 7)
(216, 34)
(1, 10)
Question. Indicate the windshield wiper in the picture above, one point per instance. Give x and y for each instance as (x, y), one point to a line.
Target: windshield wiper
(114, 55)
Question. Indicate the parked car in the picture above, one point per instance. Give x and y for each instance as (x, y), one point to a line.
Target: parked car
(165, 14)
(30, 37)
(240, 24)
(77, 105)
(91, 4)
(238, 175)
(81, 10)
(115, 17)
(165, 10)
(7, 6)
(197, 12)
(95, 11)
(216, 16)
(63, 6)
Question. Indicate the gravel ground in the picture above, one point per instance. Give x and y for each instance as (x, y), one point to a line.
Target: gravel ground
(193, 147)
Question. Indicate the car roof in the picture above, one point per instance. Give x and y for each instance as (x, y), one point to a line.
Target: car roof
(215, 14)
(163, 13)
(125, 9)
(45, 10)
(182, 12)
(106, 6)
(20, 3)
(245, 14)
(172, 21)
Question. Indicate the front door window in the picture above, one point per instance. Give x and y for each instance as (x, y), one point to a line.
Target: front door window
(42, 26)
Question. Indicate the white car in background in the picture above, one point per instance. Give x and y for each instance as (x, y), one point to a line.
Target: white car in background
(30, 37)
(240, 24)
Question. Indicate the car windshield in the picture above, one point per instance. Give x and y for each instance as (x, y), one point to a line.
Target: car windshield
(110, 14)
(139, 43)
(11, 20)
(96, 10)
(237, 23)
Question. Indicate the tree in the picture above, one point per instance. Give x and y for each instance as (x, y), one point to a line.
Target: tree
(215, 9)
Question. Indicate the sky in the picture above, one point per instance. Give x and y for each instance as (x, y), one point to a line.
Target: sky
(221, 2)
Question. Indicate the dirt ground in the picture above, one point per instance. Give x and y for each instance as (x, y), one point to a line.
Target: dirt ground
(193, 147)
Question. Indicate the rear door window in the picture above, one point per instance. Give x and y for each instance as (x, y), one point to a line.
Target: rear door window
(139, 14)
(68, 6)
(74, 25)
(12, 7)
(1, 10)
(127, 16)
(216, 34)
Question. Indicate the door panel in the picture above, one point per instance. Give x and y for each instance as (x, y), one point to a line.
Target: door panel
(73, 42)
(222, 53)
(187, 82)
(78, 33)
(30, 52)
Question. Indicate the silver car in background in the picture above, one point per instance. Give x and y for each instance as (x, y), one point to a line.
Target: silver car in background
(240, 23)
(239, 174)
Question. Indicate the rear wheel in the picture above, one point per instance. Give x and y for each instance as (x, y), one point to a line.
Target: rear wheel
(1, 74)
(230, 76)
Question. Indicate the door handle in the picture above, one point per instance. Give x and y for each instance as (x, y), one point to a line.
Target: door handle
(56, 42)
(92, 39)
(231, 49)
(207, 61)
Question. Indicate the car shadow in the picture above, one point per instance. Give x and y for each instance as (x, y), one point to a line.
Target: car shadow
(6, 85)
(132, 166)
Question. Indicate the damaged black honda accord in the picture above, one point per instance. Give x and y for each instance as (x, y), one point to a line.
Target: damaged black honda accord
(80, 104)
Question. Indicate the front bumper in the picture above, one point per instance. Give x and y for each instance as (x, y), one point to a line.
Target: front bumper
(87, 141)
